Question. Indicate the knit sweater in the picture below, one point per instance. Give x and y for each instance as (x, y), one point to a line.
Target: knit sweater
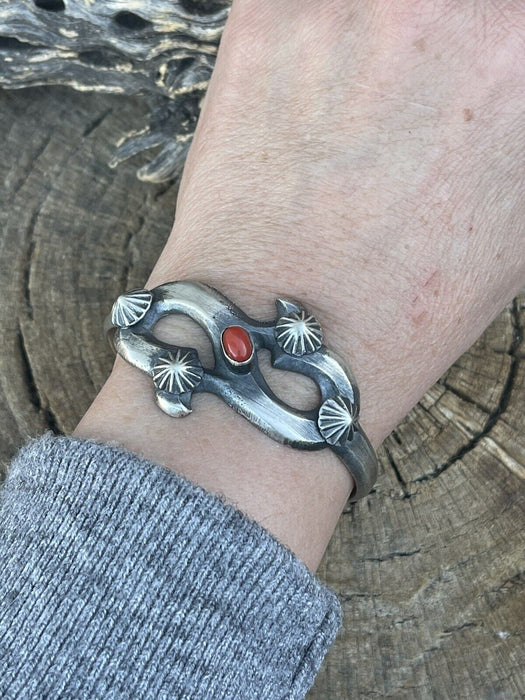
(122, 579)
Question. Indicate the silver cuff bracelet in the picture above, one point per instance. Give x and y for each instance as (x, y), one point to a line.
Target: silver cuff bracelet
(295, 341)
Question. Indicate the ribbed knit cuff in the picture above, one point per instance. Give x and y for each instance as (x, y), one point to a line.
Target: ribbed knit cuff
(121, 579)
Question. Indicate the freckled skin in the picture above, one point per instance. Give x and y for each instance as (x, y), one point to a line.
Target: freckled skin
(423, 303)
(420, 318)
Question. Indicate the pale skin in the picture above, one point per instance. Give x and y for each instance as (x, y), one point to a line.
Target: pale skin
(366, 159)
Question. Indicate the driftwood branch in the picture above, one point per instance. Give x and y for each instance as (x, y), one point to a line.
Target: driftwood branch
(163, 50)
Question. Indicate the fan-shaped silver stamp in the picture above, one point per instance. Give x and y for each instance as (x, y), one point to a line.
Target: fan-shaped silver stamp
(177, 373)
(131, 308)
(335, 420)
(298, 333)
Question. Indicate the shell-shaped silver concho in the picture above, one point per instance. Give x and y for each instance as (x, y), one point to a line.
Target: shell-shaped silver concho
(131, 307)
(177, 373)
(335, 420)
(298, 333)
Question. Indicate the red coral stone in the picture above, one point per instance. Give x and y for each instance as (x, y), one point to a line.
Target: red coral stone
(237, 344)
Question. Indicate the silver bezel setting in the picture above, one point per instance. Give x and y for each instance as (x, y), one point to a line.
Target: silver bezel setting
(233, 362)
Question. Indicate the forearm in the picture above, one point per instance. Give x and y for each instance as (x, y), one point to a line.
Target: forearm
(398, 244)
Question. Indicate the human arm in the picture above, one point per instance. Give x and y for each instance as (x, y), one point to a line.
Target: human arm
(367, 162)
(381, 399)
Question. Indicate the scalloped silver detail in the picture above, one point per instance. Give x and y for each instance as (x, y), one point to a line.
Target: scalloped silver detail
(298, 333)
(177, 373)
(130, 308)
(335, 420)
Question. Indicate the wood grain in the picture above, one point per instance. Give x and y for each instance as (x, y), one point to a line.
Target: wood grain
(430, 567)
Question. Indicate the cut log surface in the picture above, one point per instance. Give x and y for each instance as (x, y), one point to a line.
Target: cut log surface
(430, 567)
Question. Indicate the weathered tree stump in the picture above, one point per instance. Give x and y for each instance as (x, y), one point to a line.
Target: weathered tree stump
(430, 567)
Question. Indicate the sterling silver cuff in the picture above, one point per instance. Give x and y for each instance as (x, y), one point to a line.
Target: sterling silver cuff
(295, 341)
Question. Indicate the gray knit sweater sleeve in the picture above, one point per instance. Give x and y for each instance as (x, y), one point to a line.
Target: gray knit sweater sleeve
(121, 579)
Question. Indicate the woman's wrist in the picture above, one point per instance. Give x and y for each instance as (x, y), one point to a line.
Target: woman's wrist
(297, 495)
(381, 219)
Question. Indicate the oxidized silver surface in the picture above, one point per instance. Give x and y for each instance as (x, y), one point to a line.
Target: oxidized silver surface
(294, 340)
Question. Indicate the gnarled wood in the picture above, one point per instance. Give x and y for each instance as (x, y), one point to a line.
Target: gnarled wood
(429, 567)
(164, 50)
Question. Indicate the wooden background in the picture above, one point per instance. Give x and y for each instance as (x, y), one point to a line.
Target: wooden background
(430, 567)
